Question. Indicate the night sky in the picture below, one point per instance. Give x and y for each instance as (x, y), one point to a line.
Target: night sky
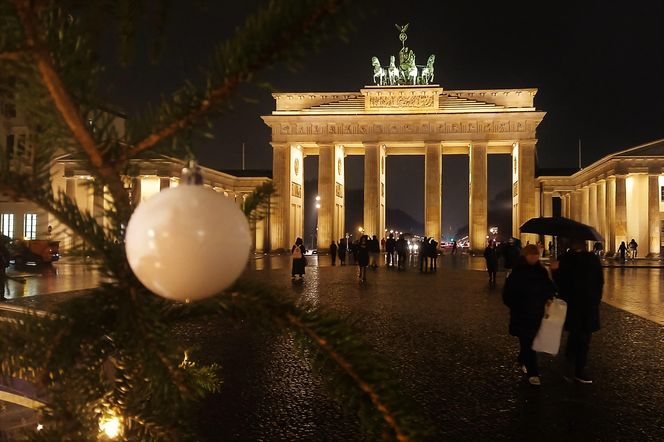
(598, 66)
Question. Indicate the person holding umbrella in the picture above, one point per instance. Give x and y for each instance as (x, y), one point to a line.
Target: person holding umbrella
(580, 280)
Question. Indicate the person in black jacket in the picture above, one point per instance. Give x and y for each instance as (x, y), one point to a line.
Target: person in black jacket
(390, 248)
(342, 251)
(526, 292)
(491, 258)
(299, 260)
(580, 281)
(333, 252)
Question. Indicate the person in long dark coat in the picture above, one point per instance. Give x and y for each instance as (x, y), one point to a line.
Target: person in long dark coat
(363, 250)
(333, 252)
(299, 261)
(526, 292)
(390, 248)
(622, 250)
(511, 254)
(424, 254)
(491, 258)
(580, 280)
(402, 252)
(342, 251)
(433, 255)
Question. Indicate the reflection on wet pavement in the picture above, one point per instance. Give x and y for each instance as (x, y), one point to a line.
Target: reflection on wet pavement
(638, 290)
(64, 276)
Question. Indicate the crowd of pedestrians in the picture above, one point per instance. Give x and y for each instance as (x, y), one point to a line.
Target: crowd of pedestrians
(575, 277)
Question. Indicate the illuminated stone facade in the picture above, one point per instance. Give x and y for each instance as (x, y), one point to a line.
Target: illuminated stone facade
(23, 219)
(621, 195)
(380, 121)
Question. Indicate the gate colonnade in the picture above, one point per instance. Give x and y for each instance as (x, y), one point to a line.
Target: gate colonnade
(381, 121)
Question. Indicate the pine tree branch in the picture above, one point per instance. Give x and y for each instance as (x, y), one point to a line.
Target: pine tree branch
(347, 367)
(222, 93)
(11, 55)
(66, 106)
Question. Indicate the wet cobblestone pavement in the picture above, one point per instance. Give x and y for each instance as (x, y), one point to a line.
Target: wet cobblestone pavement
(447, 337)
(446, 334)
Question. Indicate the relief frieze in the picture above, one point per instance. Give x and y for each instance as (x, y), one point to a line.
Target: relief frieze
(392, 128)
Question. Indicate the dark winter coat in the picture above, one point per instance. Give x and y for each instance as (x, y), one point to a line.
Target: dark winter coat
(511, 255)
(491, 257)
(526, 291)
(363, 254)
(580, 281)
(333, 249)
(298, 264)
(390, 245)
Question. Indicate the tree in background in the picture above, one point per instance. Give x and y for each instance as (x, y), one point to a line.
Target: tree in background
(108, 360)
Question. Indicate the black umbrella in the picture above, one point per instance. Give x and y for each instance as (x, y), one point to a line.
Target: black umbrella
(562, 227)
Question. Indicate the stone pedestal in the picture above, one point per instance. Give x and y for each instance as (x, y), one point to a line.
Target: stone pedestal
(374, 190)
(477, 205)
(433, 162)
(654, 222)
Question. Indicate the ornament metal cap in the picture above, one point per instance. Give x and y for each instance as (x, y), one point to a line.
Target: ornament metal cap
(191, 174)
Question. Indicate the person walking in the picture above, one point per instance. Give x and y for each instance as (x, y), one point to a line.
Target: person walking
(390, 248)
(402, 251)
(342, 251)
(633, 247)
(526, 292)
(580, 280)
(299, 261)
(454, 247)
(333, 252)
(491, 258)
(622, 250)
(374, 250)
(363, 257)
(511, 254)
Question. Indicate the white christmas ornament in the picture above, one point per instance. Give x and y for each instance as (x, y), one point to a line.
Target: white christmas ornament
(188, 242)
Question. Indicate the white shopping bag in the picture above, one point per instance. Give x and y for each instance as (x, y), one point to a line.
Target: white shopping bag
(551, 329)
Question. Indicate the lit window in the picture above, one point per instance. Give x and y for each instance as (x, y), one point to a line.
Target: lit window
(7, 224)
(30, 226)
(661, 193)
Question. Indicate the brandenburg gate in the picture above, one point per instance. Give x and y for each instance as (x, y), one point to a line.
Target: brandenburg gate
(401, 114)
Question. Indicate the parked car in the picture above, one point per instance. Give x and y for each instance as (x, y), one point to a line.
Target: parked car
(33, 252)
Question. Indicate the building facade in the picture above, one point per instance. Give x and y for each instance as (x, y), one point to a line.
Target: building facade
(621, 195)
(25, 220)
(380, 121)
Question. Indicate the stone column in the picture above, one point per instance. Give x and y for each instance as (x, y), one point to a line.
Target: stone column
(164, 183)
(592, 206)
(326, 180)
(585, 205)
(547, 210)
(433, 169)
(477, 204)
(338, 230)
(601, 209)
(654, 222)
(526, 186)
(286, 205)
(374, 190)
(611, 246)
(621, 210)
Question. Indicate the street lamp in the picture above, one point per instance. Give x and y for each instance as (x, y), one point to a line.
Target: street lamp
(360, 229)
